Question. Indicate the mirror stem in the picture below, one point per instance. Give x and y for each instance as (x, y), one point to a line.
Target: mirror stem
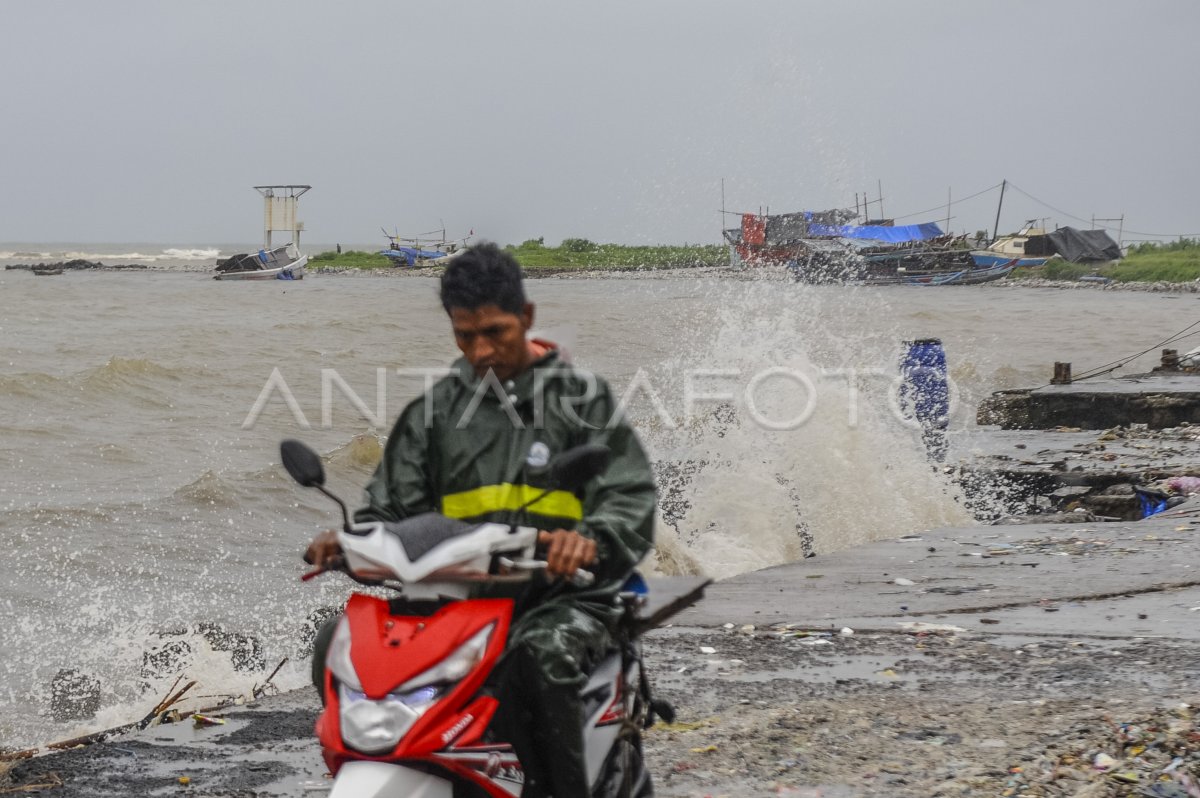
(512, 528)
(340, 503)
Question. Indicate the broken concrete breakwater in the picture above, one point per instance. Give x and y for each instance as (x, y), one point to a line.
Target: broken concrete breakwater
(74, 265)
(1167, 398)
(1097, 472)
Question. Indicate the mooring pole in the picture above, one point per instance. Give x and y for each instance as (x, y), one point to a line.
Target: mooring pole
(999, 205)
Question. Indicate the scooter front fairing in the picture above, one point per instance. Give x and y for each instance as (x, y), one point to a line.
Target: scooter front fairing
(406, 686)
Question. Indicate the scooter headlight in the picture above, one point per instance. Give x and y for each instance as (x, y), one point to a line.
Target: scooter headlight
(375, 727)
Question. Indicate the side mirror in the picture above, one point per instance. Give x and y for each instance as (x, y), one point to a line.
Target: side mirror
(302, 463)
(575, 467)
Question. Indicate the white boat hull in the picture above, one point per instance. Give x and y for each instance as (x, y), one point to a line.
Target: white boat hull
(296, 267)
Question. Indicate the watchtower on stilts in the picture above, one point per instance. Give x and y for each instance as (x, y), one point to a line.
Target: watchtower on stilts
(279, 212)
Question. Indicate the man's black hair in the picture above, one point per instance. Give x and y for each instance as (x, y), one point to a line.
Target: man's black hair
(483, 275)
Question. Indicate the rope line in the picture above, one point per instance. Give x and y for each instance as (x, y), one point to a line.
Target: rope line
(1112, 366)
(953, 202)
(1092, 222)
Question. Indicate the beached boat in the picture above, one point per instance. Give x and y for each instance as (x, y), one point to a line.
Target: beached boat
(1033, 246)
(821, 248)
(271, 263)
(986, 274)
(419, 250)
(280, 263)
(969, 276)
(1006, 248)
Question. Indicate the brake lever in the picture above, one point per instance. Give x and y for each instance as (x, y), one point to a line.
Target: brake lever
(335, 564)
(582, 578)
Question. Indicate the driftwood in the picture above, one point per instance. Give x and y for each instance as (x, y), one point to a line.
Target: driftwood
(155, 716)
(258, 690)
(162, 713)
(49, 780)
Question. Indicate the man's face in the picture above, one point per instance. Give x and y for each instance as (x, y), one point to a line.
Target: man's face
(491, 338)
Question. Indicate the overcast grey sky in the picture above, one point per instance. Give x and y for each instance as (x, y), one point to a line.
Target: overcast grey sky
(133, 120)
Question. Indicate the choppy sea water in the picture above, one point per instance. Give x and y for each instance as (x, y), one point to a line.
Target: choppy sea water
(141, 496)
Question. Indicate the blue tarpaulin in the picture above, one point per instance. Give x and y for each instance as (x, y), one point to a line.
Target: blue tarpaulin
(893, 235)
(410, 255)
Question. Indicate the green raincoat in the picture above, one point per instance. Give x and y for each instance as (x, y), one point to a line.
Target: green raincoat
(477, 450)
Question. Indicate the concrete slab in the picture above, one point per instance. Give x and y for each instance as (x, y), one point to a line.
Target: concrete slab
(1080, 456)
(966, 570)
(1158, 400)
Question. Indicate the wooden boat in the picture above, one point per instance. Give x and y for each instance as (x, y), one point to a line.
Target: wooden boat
(985, 275)
(987, 259)
(275, 264)
(423, 249)
(47, 272)
(959, 277)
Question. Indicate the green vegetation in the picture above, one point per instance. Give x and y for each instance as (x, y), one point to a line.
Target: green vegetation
(1174, 262)
(579, 254)
(1059, 269)
(351, 259)
(574, 254)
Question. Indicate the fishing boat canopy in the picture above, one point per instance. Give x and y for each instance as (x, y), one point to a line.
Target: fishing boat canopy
(789, 228)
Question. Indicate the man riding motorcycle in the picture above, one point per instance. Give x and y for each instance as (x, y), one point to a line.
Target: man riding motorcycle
(476, 447)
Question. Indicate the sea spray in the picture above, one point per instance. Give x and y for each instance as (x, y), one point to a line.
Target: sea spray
(787, 441)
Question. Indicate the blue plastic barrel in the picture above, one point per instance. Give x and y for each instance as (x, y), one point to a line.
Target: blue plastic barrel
(925, 392)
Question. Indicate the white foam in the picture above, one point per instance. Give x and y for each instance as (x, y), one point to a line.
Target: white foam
(168, 254)
(190, 254)
(102, 256)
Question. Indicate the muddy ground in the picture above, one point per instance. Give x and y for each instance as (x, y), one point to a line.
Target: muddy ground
(915, 714)
(777, 713)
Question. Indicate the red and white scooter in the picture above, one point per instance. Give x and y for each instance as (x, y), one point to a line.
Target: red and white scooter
(407, 711)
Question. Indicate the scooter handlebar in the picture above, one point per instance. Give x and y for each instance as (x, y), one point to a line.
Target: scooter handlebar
(581, 577)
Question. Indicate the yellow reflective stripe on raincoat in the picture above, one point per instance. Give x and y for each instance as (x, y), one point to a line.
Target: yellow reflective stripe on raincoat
(507, 496)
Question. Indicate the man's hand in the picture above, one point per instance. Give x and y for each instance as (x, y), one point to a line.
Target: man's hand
(566, 551)
(324, 551)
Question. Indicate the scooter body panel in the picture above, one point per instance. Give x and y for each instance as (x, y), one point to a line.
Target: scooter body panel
(362, 779)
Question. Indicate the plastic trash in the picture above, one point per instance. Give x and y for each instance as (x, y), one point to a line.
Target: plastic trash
(1151, 502)
(1184, 485)
(205, 720)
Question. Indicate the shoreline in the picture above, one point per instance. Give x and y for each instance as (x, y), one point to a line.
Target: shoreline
(719, 273)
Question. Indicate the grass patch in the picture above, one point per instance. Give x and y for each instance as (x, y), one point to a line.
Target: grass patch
(351, 259)
(574, 254)
(583, 255)
(1174, 262)
(1059, 269)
